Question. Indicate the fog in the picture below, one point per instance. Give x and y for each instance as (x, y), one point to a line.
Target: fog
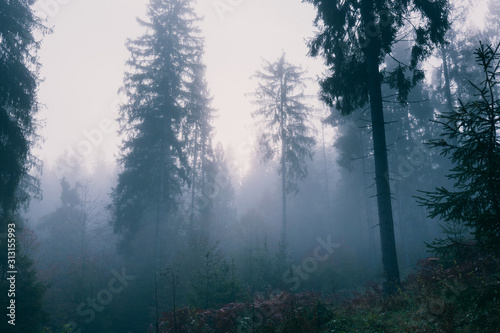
(206, 164)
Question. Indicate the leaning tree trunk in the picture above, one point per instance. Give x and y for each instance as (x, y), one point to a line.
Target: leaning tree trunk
(386, 223)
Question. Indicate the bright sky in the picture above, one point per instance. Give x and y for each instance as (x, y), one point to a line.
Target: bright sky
(83, 65)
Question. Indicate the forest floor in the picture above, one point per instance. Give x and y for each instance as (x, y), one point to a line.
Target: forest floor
(438, 298)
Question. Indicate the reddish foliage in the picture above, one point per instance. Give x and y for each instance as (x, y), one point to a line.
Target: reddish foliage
(261, 312)
(371, 297)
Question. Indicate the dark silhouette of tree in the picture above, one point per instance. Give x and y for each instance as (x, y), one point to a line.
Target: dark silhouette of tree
(167, 137)
(199, 131)
(355, 38)
(29, 294)
(282, 117)
(19, 70)
(157, 118)
(472, 144)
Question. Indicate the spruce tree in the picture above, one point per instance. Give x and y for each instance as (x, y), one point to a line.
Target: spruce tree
(285, 131)
(156, 119)
(19, 68)
(471, 141)
(355, 37)
(166, 137)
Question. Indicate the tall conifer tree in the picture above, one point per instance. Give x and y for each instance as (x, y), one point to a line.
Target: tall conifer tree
(18, 102)
(470, 139)
(285, 132)
(355, 37)
(19, 81)
(158, 115)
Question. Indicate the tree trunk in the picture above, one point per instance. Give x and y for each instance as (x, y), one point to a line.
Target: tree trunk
(283, 164)
(159, 218)
(386, 223)
(373, 256)
(159, 206)
(325, 173)
(204, 227)
(447, 82)
(193, 183)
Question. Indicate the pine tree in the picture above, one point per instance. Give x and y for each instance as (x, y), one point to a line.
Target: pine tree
(472, 144)
(355, 38)
(284, 128)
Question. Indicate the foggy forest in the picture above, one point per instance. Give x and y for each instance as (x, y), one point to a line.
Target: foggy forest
(249, 166)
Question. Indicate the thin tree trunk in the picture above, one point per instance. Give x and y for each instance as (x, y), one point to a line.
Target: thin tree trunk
(283, 164)
(325, 172)
(159, 213)
(203, 177)
(386, 222)
(193, 182)
(447, 82)
(84, 216)
(207, 286)
(159, 208)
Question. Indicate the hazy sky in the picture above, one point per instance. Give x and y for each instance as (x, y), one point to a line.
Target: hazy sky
(83, 64)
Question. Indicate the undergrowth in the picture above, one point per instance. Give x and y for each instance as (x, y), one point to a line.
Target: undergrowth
(439, 297)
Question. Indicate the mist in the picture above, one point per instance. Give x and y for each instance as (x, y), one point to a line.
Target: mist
(249, 166)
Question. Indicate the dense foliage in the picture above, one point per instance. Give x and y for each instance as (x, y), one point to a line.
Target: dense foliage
(431, 299)
(18, 106)
(18, 87)
(159, 109)
(470, 140)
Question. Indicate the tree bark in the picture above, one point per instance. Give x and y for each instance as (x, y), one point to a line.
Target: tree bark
(386, 222)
